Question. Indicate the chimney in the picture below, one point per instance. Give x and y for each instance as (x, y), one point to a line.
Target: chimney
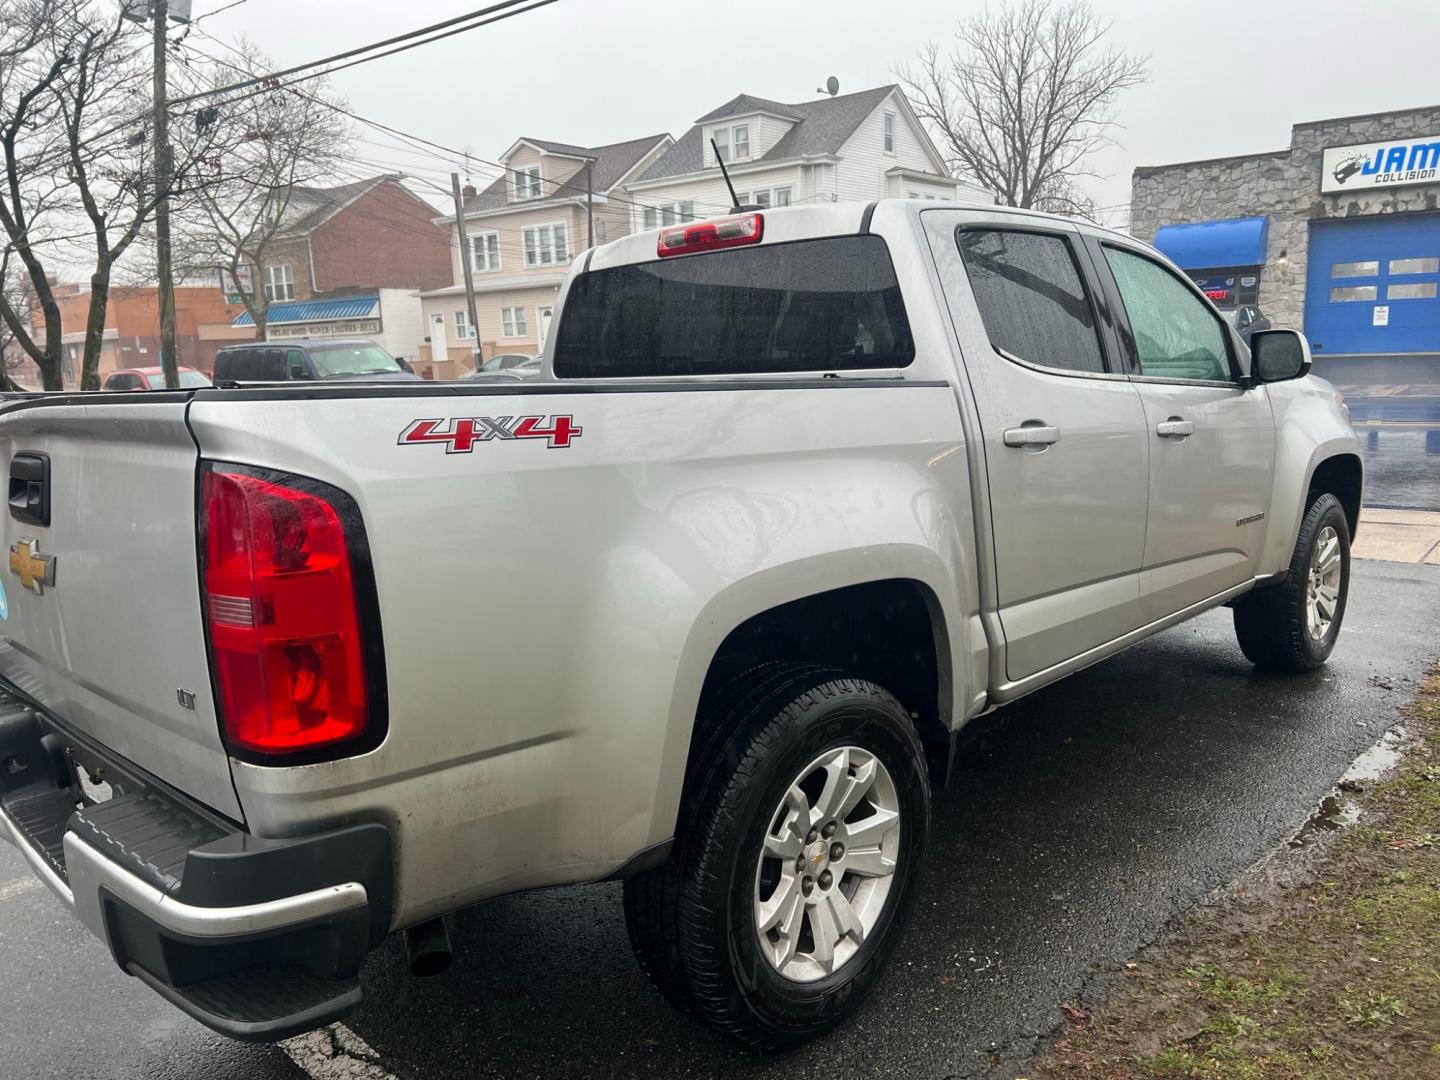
(468, 191)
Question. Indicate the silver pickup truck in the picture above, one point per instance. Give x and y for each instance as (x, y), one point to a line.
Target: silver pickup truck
(286, 669)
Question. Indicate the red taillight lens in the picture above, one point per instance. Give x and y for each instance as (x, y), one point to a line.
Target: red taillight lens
(711, 235)
(283, 618)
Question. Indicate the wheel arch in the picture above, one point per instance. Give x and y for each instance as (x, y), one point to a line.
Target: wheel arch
(895, 628)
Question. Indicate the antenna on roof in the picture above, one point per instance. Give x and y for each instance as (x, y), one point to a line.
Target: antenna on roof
(832, 86)
(735, 206)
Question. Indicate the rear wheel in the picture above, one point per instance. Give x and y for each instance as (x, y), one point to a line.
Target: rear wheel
(797, 859)
(1293, 626)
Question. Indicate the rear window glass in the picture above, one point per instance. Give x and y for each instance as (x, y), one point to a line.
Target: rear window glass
(189, 380)
(1031, 298)
(814, 305)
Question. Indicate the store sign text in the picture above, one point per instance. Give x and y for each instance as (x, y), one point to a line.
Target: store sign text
(1381, 164)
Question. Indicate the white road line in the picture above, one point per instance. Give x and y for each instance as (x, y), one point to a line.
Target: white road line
(18, 887)
(335, 1053)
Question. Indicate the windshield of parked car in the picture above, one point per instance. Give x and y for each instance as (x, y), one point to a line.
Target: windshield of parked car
(341, 361)
(189, 380)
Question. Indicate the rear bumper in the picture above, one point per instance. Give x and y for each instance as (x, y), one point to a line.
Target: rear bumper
(258, 939)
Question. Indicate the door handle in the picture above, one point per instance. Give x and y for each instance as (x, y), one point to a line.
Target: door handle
(1032, 435)
(1175, 428)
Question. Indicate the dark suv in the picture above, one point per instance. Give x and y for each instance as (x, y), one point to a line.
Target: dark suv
(326, 359)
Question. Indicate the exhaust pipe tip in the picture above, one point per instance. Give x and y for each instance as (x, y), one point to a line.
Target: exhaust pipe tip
(428, 948)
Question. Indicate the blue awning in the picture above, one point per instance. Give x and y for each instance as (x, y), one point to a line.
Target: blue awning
(303, 311)
(1206, 245)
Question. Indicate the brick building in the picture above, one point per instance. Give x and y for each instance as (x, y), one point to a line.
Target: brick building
(372, 239)
(132, 329)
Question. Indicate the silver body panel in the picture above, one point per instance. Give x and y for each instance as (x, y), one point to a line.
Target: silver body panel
(549, 614)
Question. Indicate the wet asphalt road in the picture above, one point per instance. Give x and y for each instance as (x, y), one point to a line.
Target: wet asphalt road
(1394, 402)
(1081, 821)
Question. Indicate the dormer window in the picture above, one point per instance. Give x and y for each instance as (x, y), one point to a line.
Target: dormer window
(527, 183)
(733, 142)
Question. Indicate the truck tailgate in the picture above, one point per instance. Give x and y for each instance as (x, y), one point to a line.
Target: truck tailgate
(116, 646)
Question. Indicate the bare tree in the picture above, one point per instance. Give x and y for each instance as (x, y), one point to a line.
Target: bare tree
(33, 59)
(1025, 98)
(280, 140)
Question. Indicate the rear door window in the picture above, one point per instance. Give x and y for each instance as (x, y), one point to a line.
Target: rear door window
(812, 305)
(1032, 298)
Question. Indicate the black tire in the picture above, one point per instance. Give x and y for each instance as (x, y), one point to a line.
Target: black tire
(1271, 622)
(691, 921)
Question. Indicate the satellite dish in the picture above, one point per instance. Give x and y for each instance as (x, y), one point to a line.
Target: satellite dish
(832, 86)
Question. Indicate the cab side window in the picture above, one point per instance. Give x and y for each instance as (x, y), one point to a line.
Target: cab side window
(1032, 298)
(1176, 335)
(296, 365)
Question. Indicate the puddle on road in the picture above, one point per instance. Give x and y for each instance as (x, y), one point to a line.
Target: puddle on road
(1377, 761)
(1337, 812)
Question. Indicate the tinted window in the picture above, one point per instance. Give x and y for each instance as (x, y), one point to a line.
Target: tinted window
(816, 305)
(251, 365)
(1032, 298)
(1176, 335)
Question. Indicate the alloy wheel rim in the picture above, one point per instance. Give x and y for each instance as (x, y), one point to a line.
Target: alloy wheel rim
(1322, 587)
(827, 864)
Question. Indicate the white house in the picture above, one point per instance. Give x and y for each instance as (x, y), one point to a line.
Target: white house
(866, 145)
(523, 230)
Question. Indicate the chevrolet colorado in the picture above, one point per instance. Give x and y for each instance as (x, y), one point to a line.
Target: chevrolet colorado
(285, 669)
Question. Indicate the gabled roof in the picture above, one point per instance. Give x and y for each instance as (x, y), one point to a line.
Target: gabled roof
(821, 127)
(569, 149)
(310, 207)
(612, 164)
(741, 104)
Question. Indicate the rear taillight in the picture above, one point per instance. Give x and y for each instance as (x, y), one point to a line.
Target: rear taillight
(699, 236)
(284, 622)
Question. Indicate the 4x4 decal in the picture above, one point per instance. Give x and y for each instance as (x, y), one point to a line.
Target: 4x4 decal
(462, 433)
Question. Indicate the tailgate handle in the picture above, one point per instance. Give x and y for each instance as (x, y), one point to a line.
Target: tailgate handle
(30, 488)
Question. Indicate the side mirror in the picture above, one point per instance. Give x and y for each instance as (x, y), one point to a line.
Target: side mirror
(1278, 355)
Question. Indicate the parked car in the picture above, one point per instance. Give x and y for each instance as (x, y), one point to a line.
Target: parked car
(802, 492)
(1247, 320)
(311, 359)
(152, 378)
(506, 361)
(506, 365)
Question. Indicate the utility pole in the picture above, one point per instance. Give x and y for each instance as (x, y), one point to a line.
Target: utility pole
(469, 273)
(590, 202)
(169, 361)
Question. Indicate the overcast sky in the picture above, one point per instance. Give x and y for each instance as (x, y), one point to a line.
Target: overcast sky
(1227, 78)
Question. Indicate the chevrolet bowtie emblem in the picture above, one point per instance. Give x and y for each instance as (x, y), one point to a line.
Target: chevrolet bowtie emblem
(35, 570)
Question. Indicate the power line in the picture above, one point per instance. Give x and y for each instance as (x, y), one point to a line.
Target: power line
(497, 13)
(461, 159)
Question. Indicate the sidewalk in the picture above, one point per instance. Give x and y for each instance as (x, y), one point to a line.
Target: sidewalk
(1411, 536)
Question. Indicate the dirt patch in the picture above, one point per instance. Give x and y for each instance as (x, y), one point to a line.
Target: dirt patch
(1322, 963)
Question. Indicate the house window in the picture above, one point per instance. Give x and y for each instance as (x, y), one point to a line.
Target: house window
(279, 282)
(512, 322)
(546, 245)
(889, 133)
(485, 251)
(675, 213)
(742, 140)
(732, 142)
(765, 197)
(463, 330)
(527, 183)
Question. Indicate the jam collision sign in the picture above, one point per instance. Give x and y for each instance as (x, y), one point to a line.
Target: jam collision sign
(1388, 163)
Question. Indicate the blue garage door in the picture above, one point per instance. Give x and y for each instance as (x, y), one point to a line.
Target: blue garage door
(1374, 285)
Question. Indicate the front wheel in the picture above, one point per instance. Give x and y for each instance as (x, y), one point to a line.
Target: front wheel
(1293, 626)
(797, 860)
